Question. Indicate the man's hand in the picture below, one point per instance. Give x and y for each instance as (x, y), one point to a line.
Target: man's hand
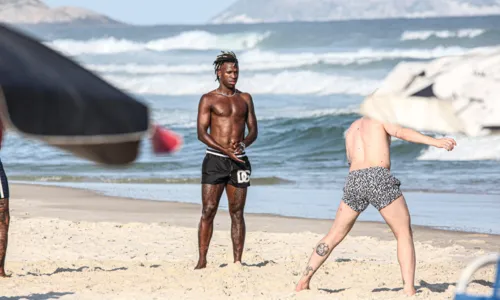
(230, 152)
(236, 146)
(446, 143)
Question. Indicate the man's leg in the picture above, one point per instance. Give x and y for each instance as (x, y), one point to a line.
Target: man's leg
(344, 220)
(397, 217)
(210, 195)
(236, 198)
(4, 230)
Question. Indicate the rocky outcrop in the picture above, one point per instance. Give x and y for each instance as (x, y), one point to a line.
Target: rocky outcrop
(37, 12)
(255, 11)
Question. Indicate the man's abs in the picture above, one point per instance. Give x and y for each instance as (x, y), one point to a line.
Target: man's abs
(224, 132)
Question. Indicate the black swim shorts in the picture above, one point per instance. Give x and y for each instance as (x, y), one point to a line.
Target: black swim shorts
(218, 168)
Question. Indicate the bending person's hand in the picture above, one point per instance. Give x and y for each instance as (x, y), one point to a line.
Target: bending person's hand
(445, 143)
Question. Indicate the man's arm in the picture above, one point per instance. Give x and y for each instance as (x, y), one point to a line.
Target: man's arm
(203, 122)
(253, 130)
(414, 136)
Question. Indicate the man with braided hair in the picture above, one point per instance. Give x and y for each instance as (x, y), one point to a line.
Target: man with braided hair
(226, 112)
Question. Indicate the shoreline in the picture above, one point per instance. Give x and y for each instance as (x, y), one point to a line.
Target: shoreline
(271, 215)
(191, 181)
(119, 209)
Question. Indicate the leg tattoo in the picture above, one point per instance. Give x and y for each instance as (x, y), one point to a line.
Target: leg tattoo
(318, 257)
(322, 249)
(343, 223)
(308, 270)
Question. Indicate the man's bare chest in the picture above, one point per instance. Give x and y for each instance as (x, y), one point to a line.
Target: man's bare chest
(236, 107)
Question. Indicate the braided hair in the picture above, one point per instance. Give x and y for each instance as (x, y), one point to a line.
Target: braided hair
(222, 58)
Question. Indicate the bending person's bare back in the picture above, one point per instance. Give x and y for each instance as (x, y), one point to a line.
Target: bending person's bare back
(368, 143)
(370, 182)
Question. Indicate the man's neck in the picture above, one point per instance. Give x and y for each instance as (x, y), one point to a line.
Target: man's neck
(225, 90)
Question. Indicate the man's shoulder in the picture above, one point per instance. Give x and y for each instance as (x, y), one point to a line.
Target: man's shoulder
(245, 95)
(367, 121)
(208, 95)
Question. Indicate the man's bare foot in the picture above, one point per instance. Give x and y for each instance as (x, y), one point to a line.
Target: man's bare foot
(302, 285)
(409, 291)
(3, 275)
(201, 265)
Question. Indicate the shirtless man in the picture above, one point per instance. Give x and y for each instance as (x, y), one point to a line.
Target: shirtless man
(225, 111)
(370, 182)
(4, 213)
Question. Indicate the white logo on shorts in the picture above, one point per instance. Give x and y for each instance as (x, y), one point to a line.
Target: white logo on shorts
(243, 176)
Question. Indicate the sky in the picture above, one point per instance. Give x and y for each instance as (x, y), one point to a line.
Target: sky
(148, 12)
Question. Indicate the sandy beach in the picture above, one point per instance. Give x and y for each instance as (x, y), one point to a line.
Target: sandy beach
(74, 244)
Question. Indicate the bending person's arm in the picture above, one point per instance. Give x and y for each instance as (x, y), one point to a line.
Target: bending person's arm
(414, 136)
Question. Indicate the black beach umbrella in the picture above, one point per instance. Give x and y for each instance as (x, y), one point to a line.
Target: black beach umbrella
(48, 97)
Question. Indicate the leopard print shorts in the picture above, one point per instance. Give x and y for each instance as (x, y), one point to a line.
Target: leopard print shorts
(376, 186)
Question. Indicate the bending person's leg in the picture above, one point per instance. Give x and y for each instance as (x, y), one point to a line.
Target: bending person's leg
(397, 217)
(344, 220)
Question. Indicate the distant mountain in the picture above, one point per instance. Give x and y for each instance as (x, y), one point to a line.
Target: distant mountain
(36, 12)
(255, 11)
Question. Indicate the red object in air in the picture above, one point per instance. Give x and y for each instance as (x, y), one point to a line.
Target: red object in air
(165, 141)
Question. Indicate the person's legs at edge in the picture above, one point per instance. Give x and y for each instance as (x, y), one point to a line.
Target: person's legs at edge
(397, 217)
(236, 199)
(4, 230)
(344, 220)
(210, 195)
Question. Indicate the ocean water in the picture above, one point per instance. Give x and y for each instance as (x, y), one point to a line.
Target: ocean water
(307, 81)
